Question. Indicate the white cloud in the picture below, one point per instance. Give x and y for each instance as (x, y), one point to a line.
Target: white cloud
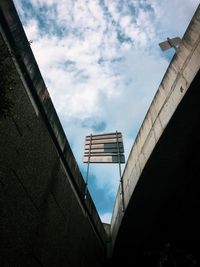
(106, 217)
(42, 2)
(125, 21)
(102, 62)
(175, 16)
(32, 30)
(112, 8)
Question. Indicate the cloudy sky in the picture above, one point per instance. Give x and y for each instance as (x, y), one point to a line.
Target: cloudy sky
(102, 65)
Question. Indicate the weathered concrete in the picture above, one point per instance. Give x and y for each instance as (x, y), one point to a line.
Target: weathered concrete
(159, 158)
(44, 219)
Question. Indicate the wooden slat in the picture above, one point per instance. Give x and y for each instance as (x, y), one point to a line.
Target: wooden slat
(104, 159)
(100, 135)
(104, 150)
(102, 154)
(103, 141)
(106, 146)
(106, 136)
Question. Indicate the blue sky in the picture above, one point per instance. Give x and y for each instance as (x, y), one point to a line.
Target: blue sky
(102, 65)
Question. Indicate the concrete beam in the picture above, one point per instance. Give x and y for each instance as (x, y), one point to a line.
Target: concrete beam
(174, 85)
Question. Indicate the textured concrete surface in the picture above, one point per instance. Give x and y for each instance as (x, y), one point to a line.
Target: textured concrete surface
(44, 219)
(160, 163)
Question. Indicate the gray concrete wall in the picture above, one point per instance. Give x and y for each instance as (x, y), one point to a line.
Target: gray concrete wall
(175, 83)
(44, 219)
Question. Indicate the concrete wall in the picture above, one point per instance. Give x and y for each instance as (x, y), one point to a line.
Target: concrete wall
(176, 81)
(44, 219)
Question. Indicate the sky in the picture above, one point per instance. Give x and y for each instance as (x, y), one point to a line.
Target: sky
(102, 65)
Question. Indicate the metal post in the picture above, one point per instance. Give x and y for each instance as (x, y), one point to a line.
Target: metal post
(88, 167)
(120, 174)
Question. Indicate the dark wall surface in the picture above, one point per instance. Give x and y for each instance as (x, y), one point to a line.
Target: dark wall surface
(161, 223)
(44, 219)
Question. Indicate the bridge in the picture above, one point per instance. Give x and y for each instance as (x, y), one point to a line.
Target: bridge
(45, 219)
(161, 179)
